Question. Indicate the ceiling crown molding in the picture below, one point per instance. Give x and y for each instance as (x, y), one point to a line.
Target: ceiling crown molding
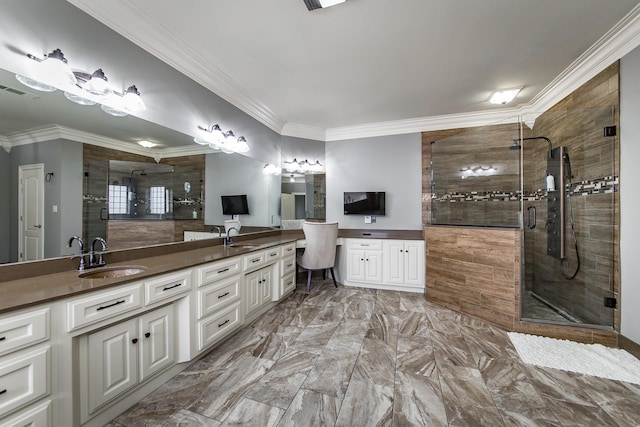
(163, 44)
(61, 132)
(617, 42)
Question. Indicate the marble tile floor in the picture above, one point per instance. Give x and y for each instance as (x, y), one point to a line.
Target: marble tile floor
(360, 357)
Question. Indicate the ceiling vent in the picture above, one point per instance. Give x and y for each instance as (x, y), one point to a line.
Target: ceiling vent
(320, 4)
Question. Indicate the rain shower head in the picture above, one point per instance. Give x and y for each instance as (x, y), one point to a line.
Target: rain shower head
(142, 172)
(516, 144)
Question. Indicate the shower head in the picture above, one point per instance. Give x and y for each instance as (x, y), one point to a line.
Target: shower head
(142, 172)
(516, 144)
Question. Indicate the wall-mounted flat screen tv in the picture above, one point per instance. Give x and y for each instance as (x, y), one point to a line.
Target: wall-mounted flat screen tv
(235, 205)
(364, 203)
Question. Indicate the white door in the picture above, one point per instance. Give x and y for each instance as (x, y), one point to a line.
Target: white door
(394, 262)
(31, 212)
(414, 263)
(253, 297)
(373, 269)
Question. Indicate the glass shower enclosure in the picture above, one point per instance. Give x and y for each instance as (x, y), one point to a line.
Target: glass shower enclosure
(555, 178)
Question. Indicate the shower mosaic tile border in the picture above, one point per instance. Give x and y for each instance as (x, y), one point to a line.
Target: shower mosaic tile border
(604, 185)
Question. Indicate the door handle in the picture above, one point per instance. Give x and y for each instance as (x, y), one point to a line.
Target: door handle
(532, 224)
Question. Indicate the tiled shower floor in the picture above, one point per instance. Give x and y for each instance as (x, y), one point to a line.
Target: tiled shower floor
(358, 357)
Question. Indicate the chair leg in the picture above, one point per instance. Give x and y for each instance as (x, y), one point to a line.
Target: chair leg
(308, 280)
(333, 276)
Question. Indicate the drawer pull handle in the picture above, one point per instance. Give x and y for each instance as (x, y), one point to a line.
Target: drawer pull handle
(3, 338)
(290, 265)
(364, 244)
(102, 307)
(274, 254)
(223, 295)
(224, 270)
(255, 260)
(3, 391)
(147, 334)
(135, 340)
(166, 288)
(223, 323)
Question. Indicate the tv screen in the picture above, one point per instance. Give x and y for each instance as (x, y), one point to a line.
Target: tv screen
(235, 205)
(364, 203)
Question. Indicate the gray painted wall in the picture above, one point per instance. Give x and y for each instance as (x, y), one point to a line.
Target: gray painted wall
(235, 174)
(64, 160)
(629, 201)
(389, 163)
(5, 211)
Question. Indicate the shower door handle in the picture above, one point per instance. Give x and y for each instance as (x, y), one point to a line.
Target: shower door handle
(532, 224)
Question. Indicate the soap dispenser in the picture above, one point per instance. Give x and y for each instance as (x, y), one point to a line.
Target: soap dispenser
(194, 214)
(550, 184)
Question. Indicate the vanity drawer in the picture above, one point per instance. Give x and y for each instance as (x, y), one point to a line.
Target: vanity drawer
(22, 330)
(24, 378)
(272, 254)
(212, 298)
(166, 286)
(367, 244)
(287, 265)
(287, 285)
(103, 305)
(289, 249)
(218, 270)
(254, 260)
(34, 416)
(215, 327)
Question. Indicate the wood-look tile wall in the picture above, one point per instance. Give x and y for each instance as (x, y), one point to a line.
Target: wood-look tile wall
(474, 271)
(467, 268)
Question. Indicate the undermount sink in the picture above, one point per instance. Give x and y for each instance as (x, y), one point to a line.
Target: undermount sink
(243, 245)
(111, 272)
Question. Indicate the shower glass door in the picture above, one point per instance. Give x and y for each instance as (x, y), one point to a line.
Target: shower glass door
(569, 215)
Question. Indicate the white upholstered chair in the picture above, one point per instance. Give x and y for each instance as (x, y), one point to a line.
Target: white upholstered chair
(320, 250)
(232, 223)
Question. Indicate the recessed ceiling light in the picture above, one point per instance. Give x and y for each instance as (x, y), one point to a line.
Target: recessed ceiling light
(504, 96)
(147, 144)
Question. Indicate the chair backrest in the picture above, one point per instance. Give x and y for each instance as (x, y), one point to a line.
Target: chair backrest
(320, 251)
(232, 223)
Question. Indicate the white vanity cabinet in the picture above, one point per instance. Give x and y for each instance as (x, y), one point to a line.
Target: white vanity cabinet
(258, 285)
(25, 368)
(383, 264)
(125, 354)
(287, 281)
(218, 301)
(364, 260)
(403, 262)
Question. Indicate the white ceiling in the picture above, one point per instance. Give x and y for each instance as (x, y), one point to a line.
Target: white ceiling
(369, 62)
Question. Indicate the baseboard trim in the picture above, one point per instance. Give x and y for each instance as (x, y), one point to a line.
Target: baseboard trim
(629, 345)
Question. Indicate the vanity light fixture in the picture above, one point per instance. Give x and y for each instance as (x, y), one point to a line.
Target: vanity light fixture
(271, 169)
(504, 96)
(302, 166)
(53, 72)
(224, 141)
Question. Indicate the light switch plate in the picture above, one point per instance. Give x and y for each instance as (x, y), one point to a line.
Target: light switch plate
(55, 208)
(367, 219)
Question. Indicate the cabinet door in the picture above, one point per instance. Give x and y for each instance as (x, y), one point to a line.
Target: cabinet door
(253, 291)
(112, 362)
(394, 262)
(157, 344)
(414, 263)
(356, 265)
(373, 266)
(266, 286)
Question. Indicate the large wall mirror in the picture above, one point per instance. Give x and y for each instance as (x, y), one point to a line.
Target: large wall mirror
(77, 178)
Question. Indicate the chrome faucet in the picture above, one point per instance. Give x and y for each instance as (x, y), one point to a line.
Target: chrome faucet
(92, 256)
(215, 227)
(81, 246)
(228, 238)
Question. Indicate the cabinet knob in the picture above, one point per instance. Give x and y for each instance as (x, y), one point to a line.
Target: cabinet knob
(147, 335)
(135, 340)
